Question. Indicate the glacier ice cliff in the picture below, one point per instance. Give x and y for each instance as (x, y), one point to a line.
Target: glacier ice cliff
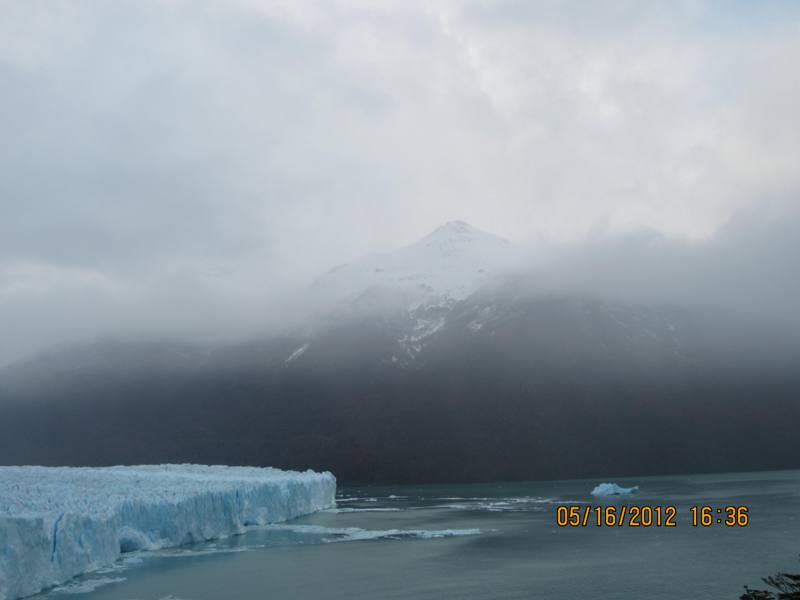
(59, 522)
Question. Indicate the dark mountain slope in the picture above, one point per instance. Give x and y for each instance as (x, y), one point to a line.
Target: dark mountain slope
(498, 386)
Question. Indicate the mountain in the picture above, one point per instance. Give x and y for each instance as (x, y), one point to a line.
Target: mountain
(443, 267)
(436, 363)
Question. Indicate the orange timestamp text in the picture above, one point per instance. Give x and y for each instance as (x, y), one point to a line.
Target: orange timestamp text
(585, 515)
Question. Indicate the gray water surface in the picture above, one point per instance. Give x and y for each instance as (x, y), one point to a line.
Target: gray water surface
(482, 541)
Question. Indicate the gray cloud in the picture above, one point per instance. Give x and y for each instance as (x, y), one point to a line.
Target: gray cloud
(745, 266)
(181, 167)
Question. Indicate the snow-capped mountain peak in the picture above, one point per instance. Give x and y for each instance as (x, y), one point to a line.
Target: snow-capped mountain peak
(456, 232)
(447, 265)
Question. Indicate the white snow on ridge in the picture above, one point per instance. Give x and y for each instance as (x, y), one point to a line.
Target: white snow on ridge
(59, 522)
(423, 329)
(445, 266)
(297, 353)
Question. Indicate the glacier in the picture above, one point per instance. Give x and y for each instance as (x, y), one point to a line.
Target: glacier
(59, 522)
(612, 489)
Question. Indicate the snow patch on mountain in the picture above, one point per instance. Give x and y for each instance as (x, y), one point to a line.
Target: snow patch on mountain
(442, 268)
(483, 317)
(297, 353)
(422, 329)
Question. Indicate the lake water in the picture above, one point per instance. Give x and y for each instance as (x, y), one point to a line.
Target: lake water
(482, 541)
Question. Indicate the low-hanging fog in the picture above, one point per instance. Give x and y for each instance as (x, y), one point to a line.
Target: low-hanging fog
(187, 170)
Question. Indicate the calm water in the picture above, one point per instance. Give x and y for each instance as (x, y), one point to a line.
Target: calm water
(482, 541)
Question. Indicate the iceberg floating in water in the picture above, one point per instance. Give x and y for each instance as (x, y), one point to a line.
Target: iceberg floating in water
(612, 489)
(59, 522)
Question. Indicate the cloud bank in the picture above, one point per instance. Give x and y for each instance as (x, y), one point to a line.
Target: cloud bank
(181, 167)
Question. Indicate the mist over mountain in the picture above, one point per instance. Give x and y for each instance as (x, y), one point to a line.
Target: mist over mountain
(463, 267)
(446, 359)
(446, 265)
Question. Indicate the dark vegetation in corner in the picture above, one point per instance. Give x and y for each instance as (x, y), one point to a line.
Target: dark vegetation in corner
(784, 586)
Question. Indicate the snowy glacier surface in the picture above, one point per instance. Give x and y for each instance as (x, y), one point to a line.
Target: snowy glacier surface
(59, 522)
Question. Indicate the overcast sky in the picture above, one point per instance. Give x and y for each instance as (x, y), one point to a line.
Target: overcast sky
(177, 167)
